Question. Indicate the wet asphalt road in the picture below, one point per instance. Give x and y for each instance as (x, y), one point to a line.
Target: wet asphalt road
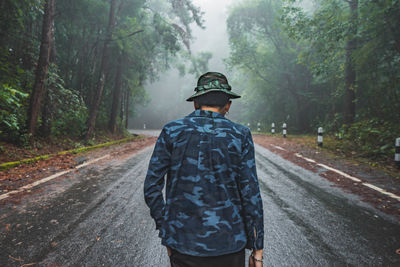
(100, 219)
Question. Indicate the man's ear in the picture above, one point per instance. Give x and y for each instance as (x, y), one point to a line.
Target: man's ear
(228, 106)
(196, 105)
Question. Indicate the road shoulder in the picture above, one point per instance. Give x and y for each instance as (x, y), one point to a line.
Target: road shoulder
(31, 173)
(350, 177)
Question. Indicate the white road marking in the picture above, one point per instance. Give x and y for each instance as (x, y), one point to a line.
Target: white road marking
(382, 191)
(329, 168)
(278, 147)
(340, 172)
(49, 178)
(307, 159)
(92, 161)
(376, 188)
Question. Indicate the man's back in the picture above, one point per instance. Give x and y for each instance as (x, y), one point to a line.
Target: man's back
(213, 204)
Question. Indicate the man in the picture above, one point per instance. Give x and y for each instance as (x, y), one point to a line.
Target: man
(213, 208)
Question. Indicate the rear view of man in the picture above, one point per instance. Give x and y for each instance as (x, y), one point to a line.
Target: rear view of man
(213, 207)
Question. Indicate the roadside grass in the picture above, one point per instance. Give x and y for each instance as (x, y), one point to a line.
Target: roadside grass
(10, 152)
(8, 165)
(341, 148)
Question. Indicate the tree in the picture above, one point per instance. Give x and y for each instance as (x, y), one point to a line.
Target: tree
(350, 72)
(48, 107)
(352, 46)
(86, 72)
(42, 67)
(261, 49)
(112, 126)
(95, 105)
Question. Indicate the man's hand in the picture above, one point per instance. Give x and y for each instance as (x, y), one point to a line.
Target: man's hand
(169, 251)
(258, 254)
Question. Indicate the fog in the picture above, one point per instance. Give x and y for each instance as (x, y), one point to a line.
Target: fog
(168, 94)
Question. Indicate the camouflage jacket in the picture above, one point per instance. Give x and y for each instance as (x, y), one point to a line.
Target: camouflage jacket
(213, 204)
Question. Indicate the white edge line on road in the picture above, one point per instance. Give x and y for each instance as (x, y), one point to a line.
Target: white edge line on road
(92, 161)
(380, 190)
(330, 168)
(49, 178)
(307, 159)
(340, 172)
(278, 147)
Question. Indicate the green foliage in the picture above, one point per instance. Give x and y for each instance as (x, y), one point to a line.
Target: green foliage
(198, 63)
(66, 108)
(278, 86)
(71, 118)
(292, 57)
(8, 165)
(10, 105)
(140, 95)
(92, 147)
(326, 30)
(148, 34)
(373, 137)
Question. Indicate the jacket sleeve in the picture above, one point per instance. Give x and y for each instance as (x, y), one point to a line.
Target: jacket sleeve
(154, 182)
(251, 197)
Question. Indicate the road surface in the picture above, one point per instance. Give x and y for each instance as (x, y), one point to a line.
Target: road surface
(99, 218)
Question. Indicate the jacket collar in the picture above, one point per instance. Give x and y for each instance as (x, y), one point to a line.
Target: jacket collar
(206, 113)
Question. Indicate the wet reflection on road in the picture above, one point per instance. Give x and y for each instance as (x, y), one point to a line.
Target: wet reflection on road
(102, 220)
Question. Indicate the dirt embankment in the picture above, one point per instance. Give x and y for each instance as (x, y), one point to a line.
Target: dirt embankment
(293, 150)
(52, 145)
(25, 174)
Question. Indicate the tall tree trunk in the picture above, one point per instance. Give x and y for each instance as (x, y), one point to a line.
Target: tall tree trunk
(95, 105)
(45, 127)
(70, 59)
(80, 74)
(127, 101)
(122, 107)
(112, 124)
(48, 107)
(42, 67)
(93, 67)
(350, 72)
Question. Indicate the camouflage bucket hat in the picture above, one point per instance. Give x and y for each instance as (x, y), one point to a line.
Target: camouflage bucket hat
(212, 82)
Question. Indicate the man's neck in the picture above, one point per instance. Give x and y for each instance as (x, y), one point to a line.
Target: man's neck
(213, 109)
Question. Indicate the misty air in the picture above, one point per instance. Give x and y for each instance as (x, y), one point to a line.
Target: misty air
(199, 133)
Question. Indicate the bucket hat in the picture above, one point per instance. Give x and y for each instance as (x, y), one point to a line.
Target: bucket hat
(212, 82)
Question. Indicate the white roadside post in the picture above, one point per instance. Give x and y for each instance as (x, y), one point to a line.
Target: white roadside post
(144, 126)
(397, 152)
(248, 125)
(273, 128)
(320, 137)
(284, 132)
(258, 127)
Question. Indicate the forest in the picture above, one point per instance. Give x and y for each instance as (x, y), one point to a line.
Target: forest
(330, 63)
(73, 68)
(69, 68)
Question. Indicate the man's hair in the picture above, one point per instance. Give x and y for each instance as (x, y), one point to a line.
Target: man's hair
(212, 99)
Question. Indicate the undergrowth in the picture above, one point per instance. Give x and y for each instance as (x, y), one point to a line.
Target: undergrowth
(12, 164)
